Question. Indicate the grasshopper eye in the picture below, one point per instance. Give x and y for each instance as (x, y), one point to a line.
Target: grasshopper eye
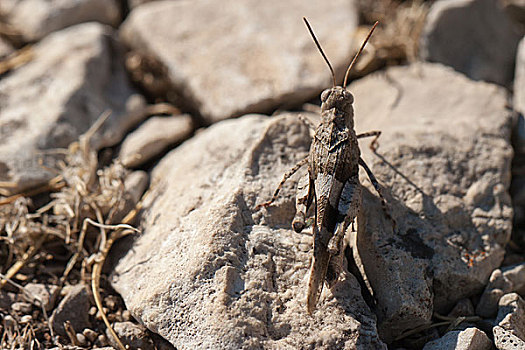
(348, 96)
(325, 95)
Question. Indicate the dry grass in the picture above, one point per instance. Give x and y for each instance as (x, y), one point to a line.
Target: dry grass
(397, 39)
(70, 231)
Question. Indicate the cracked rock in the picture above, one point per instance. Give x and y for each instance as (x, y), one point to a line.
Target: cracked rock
(211, 271)
(267, 59)
(444, 160)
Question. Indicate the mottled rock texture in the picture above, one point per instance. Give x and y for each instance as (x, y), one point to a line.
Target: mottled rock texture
(228, 58)
(210, 271)
(444, 159)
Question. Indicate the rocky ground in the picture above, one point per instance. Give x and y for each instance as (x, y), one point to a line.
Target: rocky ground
(137, 139)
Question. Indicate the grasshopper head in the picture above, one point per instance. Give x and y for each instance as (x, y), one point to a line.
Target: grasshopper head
(337, 106)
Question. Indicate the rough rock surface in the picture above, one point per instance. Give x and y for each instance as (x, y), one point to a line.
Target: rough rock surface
(475, 37)
(34, 19)
(210, 271)
(519, 80)
(75, 76)
(266, 60)
(73, 308)
(468, 339)
(508, 279)
(444, 160)
(509, 334)
(153, 137)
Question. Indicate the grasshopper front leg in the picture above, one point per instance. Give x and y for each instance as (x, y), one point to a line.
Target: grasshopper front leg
(286, 176)
(303, 201)
(374, 144)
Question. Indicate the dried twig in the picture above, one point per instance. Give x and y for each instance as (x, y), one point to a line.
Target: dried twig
(123, 230)
(17, 59)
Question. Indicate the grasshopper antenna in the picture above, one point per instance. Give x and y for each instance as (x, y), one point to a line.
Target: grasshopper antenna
(320, 49)
(358, 53)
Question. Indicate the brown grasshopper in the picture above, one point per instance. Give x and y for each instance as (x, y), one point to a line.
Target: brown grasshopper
(332, 181)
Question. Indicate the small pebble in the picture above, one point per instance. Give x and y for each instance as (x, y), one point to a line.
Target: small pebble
(82, 339)
(99, 315)
(26, 319)
(111, 302)
(21, 307)
(113, 317)
(102, 340)
(9, 321)
(90, 334)
(126, 315)
(93, 311)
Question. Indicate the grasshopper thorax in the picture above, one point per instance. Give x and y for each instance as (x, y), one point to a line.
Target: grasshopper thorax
(336, 107)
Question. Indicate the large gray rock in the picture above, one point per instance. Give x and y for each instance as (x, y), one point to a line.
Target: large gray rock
(475, 37)
(210, 271)
(468, 339)
(34, 19)
(509, 334)
(227, 58)
(75, 76)
(444, 159)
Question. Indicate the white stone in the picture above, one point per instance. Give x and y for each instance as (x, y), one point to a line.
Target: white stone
(228, 58)
(468, 339)
(153, 137)
(445, 151)
(211, 272)
(75, 76)
(475, 37)
(34, 19)
(509, 334)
